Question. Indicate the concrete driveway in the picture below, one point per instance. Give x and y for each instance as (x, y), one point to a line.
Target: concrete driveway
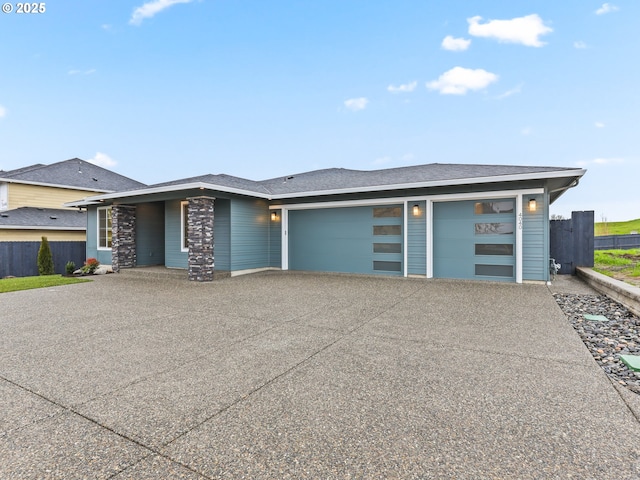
(285, 375)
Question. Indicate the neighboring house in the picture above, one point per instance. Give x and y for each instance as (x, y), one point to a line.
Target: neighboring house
(438, 220)
(32, 199)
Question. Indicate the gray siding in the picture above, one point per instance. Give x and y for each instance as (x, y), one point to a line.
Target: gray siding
(173, 257)
(535, 239)
(249, 234)
(150, 243)
(417, 240)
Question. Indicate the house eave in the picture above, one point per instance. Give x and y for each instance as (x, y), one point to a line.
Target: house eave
(41, 227)
(98, 199)
(53, 185)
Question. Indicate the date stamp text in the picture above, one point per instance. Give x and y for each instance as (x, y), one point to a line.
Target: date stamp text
(33, 7)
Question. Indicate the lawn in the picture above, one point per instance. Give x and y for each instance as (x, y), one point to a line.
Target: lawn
(617, 228)
(620, 264)
(28, 283)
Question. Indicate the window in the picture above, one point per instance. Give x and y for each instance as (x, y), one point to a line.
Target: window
(497, 228)
(494, 270)
(104, 228)
(184, 226)
(387, 266)
(494, 249)
(484, 208)
(381, 212)
(387, 248)
(387, 230)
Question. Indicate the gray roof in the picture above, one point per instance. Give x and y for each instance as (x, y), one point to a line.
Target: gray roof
(74, 173)
(43, 218)
(342, 178)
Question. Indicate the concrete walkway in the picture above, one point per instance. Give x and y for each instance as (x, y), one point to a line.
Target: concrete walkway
(285, 375)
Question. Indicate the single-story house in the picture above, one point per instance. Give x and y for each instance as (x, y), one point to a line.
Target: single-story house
(436, 220)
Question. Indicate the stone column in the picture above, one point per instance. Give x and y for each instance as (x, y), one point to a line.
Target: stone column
(200, 238)
(123, 237)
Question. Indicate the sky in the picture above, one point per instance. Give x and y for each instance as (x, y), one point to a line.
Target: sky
(169, 89)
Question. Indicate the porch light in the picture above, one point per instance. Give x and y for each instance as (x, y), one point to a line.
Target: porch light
(532, 205)
(416, 210)
(274, 216)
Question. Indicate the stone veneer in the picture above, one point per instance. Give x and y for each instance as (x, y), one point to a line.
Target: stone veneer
(123, 237)
(200, 238)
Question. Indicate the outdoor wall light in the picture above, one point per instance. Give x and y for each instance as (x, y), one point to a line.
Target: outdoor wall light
(274, 216)
(532, 205)
(416, 210)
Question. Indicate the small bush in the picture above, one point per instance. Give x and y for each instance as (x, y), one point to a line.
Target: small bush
(45, 259)
(70, 267)
(90, 266)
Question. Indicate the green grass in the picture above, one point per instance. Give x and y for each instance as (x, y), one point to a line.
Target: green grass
(617, 228)
(621, 264)
(28, 283)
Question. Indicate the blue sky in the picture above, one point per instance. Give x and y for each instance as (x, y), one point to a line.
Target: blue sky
(168, 89)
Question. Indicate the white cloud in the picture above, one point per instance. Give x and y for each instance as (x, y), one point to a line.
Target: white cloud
(524, 30)
(150, 9)
(3, 112)
(508, 93)
(459, 80)
(599, 125)
(455, 44)
(103, 160)
(579, 44)
(526, 131)
(606, 8)
(407, 87)
(600, 161)
(356, 104)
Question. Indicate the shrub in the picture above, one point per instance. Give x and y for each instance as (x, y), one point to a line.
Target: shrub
(90, 266)
(70, 267)
(45, 259)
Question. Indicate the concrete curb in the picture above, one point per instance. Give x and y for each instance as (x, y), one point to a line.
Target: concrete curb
(621, 292)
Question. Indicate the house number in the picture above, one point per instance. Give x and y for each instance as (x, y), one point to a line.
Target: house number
(520, 221)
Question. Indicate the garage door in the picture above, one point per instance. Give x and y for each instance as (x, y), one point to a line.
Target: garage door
(351, 240)
(474, 239)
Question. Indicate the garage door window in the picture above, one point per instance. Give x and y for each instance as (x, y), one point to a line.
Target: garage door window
(494, 249)
(496, 228)
(387, 230)
(494, 270)
(382, 212)
(490, 208)
(387, 248)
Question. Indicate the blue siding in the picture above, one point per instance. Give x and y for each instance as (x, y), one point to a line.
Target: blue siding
(535, 239)
(103, 256)
(417, 240)
(275, 239)
(222, 235)
(150, 243)
(173, 257)
(249, 234)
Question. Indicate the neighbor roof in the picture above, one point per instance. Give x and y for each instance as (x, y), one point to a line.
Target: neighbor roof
(340, 180)
(74, 173)
(43, 218)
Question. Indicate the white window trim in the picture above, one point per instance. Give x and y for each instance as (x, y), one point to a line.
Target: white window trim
(100, 247)
(184, 247)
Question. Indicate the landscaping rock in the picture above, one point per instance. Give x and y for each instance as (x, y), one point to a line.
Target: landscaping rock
(606, 341)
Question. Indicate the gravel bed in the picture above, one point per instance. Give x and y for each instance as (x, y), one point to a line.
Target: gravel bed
(605, 340)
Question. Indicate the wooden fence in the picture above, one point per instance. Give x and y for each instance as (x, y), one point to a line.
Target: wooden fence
(622, 242)
(571, 242)
(20, 259)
